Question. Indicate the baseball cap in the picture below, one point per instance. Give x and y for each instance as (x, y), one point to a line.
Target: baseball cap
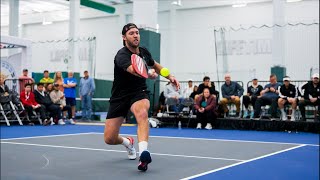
(55, 84)
(287, 78)
(190, 80)
(126, 28)
(315, 75)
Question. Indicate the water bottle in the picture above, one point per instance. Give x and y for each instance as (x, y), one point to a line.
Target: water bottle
(179, 125)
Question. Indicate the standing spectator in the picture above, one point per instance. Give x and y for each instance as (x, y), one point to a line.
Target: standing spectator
(46, 79)
(57, 97)
(70, 84)
(207, 84)
(188, 90)
(86, 91)
(30, 104)
(231, 93)
(205, 106)
(311, 96)
(58, 79)
(25, 79)
(253, 92)
(42, 97)
(269, 96)
(288, 95)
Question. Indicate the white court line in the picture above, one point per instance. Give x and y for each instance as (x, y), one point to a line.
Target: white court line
(109, 150)
(243, 162)
(57, 135)
(224, 140)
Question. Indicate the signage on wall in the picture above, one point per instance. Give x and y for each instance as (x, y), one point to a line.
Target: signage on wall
(245, 47)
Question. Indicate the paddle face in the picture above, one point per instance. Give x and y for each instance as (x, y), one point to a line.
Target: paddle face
(139, 65)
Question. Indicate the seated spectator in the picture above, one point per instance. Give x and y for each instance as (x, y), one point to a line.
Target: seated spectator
(195, 92)
(205, 107)
(25, 79)
(253, 92)
(311, 96)
(231, 93)
(42, 97)
(30, 104)
(207, 84)
(46, 79)
(3, 88)
(288, 95)
(269, 96)
(49, 88)
(57, 97)
(172, 93)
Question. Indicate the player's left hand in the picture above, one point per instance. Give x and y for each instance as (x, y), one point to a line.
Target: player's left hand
(174, 81)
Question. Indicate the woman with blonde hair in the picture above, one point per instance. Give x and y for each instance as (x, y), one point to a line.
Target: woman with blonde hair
(58, 79)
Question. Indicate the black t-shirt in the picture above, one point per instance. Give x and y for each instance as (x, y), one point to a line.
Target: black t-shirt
(212, 89)
(124, 82)
(254, 91)
(288, 92)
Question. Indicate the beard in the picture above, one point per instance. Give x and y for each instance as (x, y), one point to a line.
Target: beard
(133, 45)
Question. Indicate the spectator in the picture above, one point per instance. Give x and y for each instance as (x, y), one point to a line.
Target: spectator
(288, 95)
(171, 93)
(3, 88)
(49, 88)
(253, 92)
(269, 96)
(58, 79)
(207, 84)
(86, 91)
(30, 104)
(205, 107)
(188, 90)
(70, 84)
(42, 97)
(57, 97)
(311, 96)
(231, 93)
(195, 92)
(25, 79)
(46, 79)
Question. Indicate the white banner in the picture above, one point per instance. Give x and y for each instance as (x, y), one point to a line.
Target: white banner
(11, 66)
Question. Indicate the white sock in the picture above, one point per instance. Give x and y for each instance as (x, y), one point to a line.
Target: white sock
(143, 145)
(282, 110)
(125, 142)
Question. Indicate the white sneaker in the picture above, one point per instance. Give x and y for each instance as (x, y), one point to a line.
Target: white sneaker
(61, 122)
(293, 118)
(199, 126)
(52, 123)
(208, 126)
(284, 116)
(71, 121)
(132, 153)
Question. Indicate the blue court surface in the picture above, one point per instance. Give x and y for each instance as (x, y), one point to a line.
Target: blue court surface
(78, 152)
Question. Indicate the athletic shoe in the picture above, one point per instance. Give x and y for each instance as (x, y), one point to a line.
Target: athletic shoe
(61, 122)
(46, 122)
(145, 159)
(208, 126)
(199, 126)
(132, 153)
(71, 121)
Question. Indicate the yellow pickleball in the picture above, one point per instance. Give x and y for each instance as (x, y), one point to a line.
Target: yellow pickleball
(164, 72)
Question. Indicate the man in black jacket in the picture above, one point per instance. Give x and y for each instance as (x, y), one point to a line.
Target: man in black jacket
(311, 95)
(288, 95)
(44, 99)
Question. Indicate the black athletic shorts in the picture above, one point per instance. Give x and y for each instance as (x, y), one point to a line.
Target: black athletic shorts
(119, 107)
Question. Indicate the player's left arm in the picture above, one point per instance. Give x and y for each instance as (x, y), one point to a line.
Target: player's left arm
(157, 67)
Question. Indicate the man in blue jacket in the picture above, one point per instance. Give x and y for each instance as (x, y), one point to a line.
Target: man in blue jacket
(86, 91)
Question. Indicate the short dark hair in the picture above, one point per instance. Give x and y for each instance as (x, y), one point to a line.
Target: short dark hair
(45, 71)
(27, 85)
(126, 28)
(40, 84)
(272, 75)
(206, 78)
(24, 70)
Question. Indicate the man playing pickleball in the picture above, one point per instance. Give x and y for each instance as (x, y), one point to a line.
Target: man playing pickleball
(129, 91)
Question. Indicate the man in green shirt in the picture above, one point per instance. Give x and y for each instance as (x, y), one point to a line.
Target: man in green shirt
(46, 79)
